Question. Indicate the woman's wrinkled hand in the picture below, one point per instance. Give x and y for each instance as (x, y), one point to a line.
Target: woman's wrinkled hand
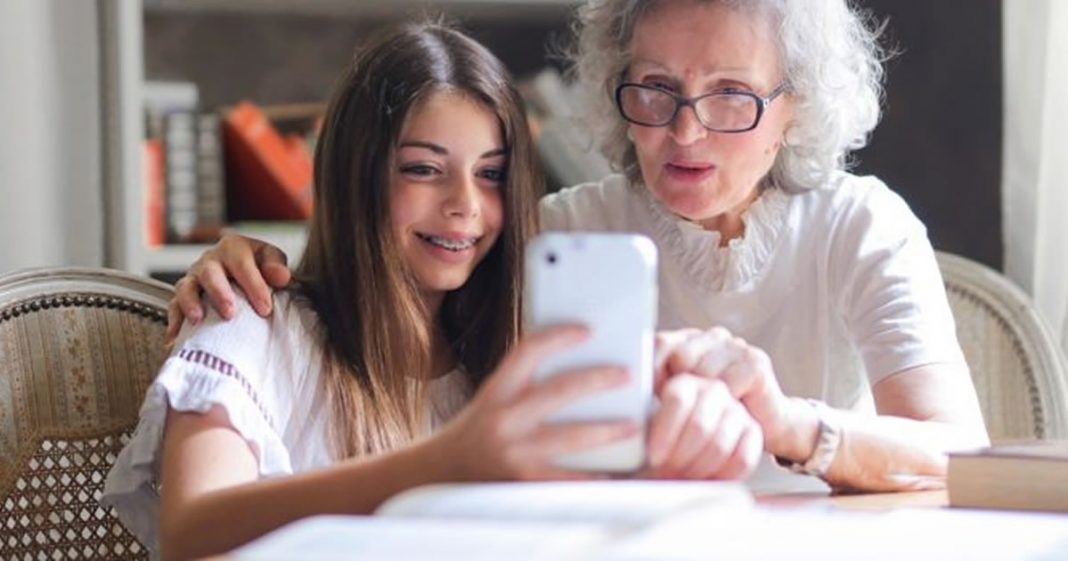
(744, 370)
(700, 431)
(257, 267)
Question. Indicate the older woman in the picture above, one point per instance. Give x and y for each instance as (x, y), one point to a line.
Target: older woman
(731, 124)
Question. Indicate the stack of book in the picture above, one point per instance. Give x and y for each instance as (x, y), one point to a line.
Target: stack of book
(206, 169)
(1019, 476)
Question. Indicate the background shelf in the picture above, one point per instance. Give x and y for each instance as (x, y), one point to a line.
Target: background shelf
(274, 53)
(508, 9)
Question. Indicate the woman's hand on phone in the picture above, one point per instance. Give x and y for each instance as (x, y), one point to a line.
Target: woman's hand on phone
(701, 432)
(257, 267)
(743, 369)
(503, 433)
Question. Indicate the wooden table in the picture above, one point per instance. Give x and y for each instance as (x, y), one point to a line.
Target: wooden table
(802, 521)
(860, 501)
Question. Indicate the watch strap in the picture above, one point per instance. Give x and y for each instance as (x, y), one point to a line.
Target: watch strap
(827, 443)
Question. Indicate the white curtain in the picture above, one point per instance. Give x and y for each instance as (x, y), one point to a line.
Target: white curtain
(1035, 172)
(51, 207)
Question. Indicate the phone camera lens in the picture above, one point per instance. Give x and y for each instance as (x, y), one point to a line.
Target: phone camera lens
(551, 258)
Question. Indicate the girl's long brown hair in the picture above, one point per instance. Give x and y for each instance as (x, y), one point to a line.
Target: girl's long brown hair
(376, 330)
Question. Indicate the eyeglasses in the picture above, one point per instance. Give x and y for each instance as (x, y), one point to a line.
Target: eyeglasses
(723, 111)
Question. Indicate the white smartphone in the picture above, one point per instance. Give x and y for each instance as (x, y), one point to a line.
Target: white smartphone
(607, 282)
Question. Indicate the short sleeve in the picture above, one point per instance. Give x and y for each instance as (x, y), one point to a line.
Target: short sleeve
(249, 366)
(892, 297)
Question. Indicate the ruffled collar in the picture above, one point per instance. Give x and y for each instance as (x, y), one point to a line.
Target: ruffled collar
(723, 269)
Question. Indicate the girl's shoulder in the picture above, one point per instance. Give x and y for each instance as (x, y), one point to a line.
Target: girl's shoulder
(279, 345)
(291, 317)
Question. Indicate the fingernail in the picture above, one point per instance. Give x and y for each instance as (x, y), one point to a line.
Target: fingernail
(614, 377)
(263, 307)
(579, 331)
(195, 319)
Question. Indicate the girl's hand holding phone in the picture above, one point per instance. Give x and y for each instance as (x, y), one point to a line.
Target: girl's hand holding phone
(504, 434)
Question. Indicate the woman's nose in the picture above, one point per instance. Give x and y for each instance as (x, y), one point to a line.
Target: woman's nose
(686, 128)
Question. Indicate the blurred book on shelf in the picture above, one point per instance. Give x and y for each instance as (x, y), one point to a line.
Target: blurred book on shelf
(269, 174)
(155, 228)
(180, 163)
(205, 168)
(161, 98)
(184, 191)
(566, 145)
(211, 178)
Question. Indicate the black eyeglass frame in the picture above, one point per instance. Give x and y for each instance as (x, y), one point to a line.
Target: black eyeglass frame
(691, 102)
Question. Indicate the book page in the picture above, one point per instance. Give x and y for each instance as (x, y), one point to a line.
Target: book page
(372, 538)
(609, 502)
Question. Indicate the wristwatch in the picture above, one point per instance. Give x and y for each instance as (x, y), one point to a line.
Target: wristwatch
(830, 438)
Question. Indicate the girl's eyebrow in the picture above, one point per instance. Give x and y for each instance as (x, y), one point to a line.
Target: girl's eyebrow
(438, 149)
(435, 148)
(442, 151)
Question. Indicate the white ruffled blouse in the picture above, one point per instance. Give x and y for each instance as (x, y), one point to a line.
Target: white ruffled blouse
(265, 372)
(699, 251)
(838, 285)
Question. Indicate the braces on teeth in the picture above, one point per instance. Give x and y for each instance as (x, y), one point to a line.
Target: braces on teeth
(452, 245)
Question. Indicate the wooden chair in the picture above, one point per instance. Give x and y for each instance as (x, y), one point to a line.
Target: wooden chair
(1018, 368)
(78, 348)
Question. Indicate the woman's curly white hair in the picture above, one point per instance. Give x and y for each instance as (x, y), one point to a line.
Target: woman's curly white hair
(832, 62)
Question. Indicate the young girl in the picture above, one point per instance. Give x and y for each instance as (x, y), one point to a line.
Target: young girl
(405, 303)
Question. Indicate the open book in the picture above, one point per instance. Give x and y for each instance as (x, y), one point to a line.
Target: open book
(513, 521)
(647, 521)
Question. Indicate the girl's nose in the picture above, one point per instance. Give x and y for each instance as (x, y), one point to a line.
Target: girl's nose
(463, 199)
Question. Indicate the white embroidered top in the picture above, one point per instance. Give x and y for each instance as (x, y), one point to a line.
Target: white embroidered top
(839, 285)
(266, 373)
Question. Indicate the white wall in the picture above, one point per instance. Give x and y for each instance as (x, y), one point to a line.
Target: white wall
(51, 204)
(1035, 170)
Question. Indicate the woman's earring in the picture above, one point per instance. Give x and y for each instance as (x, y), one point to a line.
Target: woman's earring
(790, 137)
